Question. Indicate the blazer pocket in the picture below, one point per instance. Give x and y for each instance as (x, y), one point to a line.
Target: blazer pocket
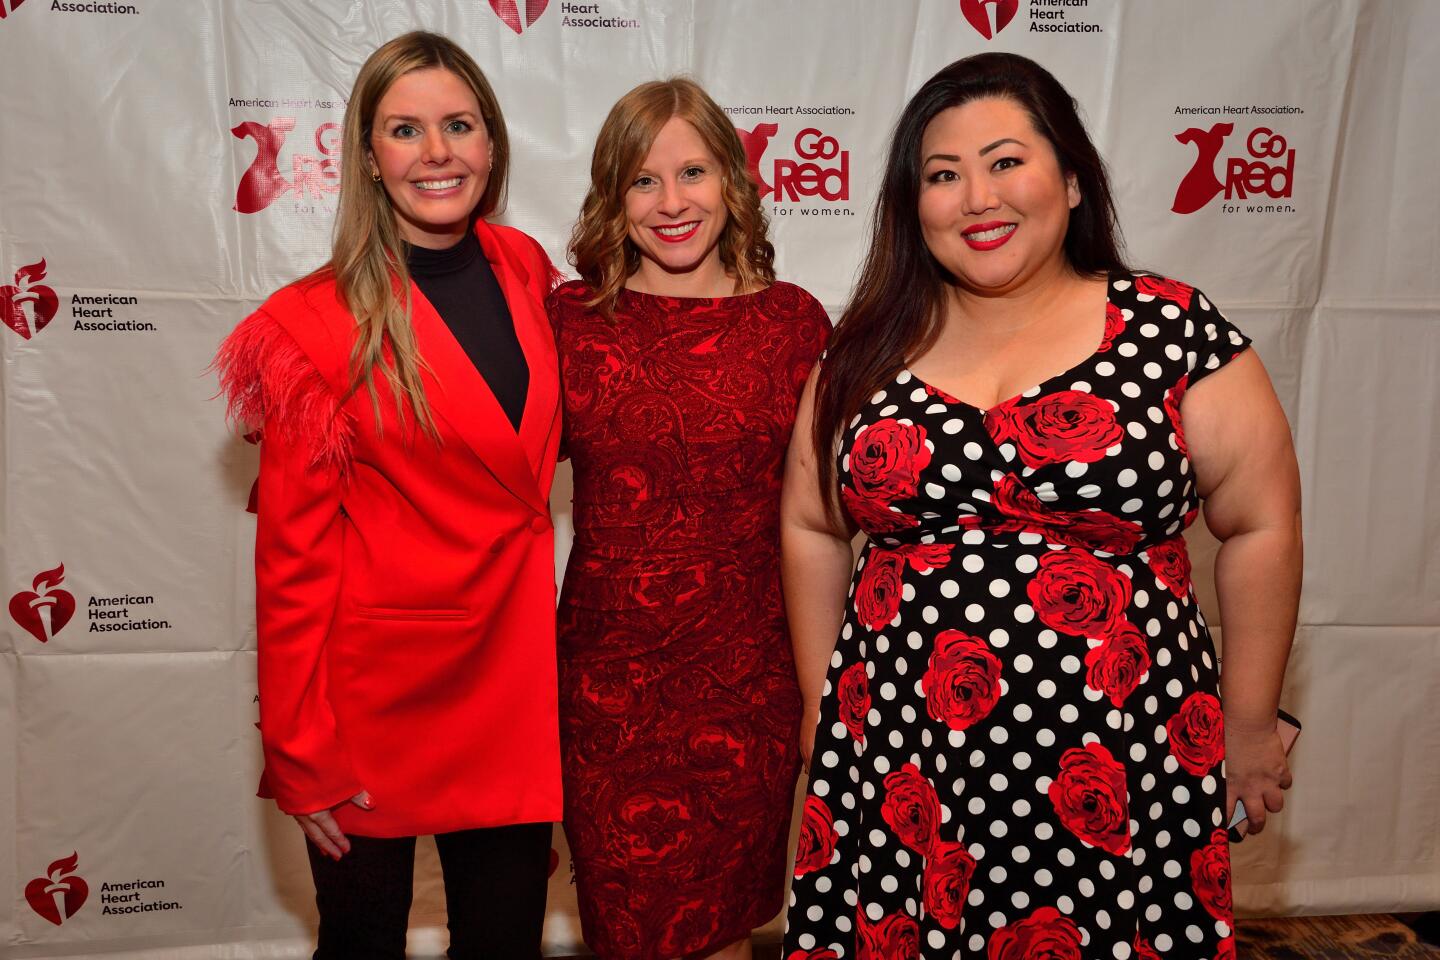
(405, 613)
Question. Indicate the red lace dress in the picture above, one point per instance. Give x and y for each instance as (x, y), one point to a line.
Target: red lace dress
(678, 700)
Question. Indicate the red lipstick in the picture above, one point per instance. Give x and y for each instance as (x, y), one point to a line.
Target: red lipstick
(969, 233)
(691, 226)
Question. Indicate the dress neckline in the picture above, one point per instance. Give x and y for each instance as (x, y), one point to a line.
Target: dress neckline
(627, 292)
(1094, 352)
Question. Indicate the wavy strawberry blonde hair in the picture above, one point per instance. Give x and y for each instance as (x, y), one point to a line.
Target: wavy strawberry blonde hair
(368, 253)
(600, 246)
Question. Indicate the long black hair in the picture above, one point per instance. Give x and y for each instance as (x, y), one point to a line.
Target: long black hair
(894, 312)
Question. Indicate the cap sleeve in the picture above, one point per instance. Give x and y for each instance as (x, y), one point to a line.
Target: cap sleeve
(1211, 340)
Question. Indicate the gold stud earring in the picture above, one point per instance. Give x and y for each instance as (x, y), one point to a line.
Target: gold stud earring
(375, 177)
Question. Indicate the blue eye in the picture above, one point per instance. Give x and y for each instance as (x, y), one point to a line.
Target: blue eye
(403, 132)
(643, 181)
(458, 126)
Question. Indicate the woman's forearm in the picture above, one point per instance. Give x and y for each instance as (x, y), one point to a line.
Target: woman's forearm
(1257, 577)
(816, 569)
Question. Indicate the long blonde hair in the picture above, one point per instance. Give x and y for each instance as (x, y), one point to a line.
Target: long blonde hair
(600, 246)
(367, 260)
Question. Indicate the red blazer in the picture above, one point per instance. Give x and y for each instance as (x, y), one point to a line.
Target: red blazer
(405, 591)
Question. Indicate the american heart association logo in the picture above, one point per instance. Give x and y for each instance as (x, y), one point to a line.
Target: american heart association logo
(28, 306)
(46, 609)
(977, 13)
(60, 894)
(509, 12)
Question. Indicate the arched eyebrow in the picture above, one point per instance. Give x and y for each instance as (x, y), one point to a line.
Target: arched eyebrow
(953, 158)
(458, 115)
(998, 143)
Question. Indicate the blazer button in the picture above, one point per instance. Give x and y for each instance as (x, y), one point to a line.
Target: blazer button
(540, 524)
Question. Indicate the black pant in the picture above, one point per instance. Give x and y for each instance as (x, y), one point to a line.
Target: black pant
(495, 881)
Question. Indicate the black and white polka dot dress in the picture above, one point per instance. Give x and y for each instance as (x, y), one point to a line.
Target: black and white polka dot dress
(1020, 743)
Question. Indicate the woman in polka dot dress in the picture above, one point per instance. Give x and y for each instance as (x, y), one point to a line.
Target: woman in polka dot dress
(1018, 735)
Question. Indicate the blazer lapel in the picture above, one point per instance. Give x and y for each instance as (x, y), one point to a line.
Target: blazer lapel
(523, 295)
(458, 394)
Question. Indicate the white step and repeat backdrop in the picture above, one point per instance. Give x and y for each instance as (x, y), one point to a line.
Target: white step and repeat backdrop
(164, 164)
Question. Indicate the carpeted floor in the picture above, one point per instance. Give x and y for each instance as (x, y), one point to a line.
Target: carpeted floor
(1306, 938)
(1332, 938)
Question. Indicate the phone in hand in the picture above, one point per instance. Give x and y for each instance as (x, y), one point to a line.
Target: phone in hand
(1289, 729)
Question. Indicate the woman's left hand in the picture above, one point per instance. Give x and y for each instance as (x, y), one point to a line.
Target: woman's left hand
(1256, 773)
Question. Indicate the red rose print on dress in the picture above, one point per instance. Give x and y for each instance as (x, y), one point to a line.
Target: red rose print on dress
(911, 809)
(817, 837)
(875, 516)
(1089, 798)
(1114, 326)
(1164, 289)
(948, 870)
(853, 692)
(1210, 876)
(1226, 950)
(924, 557)
(1060, 427)
(1077, 593)
(1143, 949)
(939, 394)
(1046, 934)
(1173, 396)
(1091, 529)
(1170, 562)
(1116, 667)
(819, 953)
(894, 937)
(1197, 734)
(878, 594)
(886, 459)
(962, 683)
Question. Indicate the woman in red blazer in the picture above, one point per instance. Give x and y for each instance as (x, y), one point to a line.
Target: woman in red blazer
(405, 579)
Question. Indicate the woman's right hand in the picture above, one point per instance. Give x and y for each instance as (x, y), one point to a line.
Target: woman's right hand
(325, 833)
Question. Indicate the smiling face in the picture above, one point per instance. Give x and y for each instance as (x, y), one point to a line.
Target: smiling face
(676, 211)
(994, 203)
(429, 145)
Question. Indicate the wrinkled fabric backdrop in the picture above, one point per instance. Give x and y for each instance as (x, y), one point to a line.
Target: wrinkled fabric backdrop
(164, 164)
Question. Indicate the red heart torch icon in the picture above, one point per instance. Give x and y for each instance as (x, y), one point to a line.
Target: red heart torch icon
(509, 11)
(45, 610)
(979, 17)
(28, 306)
(58, 896)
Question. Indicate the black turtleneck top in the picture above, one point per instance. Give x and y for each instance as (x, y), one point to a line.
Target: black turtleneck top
(462, 288)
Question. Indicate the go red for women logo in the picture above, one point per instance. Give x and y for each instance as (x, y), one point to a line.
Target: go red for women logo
(818, 167)
(59, 894)
(27, 306)
(978, 13)
(44, 610)
(511, 14)
(1268, 169)
(313, 176)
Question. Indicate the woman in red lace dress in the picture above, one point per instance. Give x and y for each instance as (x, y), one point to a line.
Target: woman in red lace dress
(682, 360)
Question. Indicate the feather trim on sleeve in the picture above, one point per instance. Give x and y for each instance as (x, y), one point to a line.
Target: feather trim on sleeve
(270, 383)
